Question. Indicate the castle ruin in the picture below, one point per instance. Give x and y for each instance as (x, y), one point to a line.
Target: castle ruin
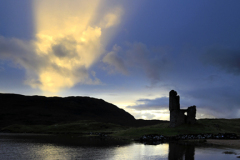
(177, 115)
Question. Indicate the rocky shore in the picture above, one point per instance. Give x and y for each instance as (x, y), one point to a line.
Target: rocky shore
(154, 139)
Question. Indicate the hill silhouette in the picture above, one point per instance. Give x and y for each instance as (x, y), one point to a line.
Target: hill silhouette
(40, 110)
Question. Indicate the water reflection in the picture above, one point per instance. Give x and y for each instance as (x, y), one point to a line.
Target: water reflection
(141, 151)
(61, 147)
(181, 152)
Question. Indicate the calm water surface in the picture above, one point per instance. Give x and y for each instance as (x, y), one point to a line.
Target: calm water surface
(61, 147)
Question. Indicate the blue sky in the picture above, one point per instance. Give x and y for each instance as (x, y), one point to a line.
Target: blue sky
(130, 54)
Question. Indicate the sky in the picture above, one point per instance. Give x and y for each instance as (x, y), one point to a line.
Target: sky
(129, 53)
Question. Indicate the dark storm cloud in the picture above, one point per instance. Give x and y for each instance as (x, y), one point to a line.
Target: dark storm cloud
(218, 98)
(113, 59)
(154, 64)
(222, 101)
(137, 57)
(20, 52)
(65, 47)
(227, 60)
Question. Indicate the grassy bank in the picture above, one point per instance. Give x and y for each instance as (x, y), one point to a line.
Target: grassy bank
(203, 126)
(76, 127)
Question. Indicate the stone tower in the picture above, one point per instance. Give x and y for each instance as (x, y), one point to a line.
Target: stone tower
(177, 115)
(174, 103)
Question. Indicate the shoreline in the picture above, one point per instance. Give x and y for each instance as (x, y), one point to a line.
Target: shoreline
(229, 143)
(222, 143)
(233, 143)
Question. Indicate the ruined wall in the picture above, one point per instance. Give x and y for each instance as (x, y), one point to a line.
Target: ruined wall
(174, 117)
(177, 115)
(191, 114)
(181, 117)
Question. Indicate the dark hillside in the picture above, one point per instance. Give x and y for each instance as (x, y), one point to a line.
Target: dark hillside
(36, 110)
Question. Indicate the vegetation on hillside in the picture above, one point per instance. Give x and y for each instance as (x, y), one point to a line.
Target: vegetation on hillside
(40, 110)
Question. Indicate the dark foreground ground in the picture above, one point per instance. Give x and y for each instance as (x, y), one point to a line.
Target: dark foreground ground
(213, 126)
(93, 128)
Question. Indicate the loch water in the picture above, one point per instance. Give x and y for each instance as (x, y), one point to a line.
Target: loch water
(74, 147)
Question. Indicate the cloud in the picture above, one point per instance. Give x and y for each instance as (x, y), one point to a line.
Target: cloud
(154, 64)
(71, 55)
(225, 59)
(137, 57)
(157, 104)
(42, 71)
(147, 116)
(66, 45)
(151, 104)
(210, 102)
(155, 114)
(219, 101)
(114, 60)
(21, 52)
(113, 18)
(214, 93)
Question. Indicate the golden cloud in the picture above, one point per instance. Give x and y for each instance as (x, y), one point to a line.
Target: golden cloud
(68, 42)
